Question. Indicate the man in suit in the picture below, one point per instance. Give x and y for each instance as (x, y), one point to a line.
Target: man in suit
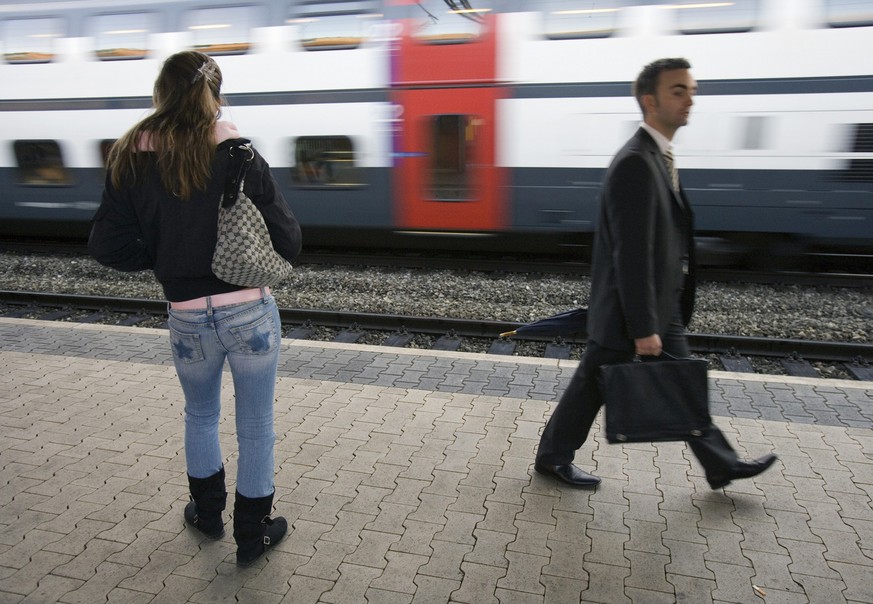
(642, 280)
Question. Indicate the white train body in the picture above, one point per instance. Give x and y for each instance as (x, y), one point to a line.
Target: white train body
(394, 117)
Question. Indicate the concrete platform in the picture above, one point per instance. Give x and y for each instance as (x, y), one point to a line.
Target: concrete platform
(407, 477)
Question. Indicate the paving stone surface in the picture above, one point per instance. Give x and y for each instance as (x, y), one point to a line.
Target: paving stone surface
(406, 476)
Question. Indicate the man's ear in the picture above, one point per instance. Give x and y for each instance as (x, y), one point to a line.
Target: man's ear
(649, 103)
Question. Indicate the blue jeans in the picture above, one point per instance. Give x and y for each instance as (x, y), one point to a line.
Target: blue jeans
(248, 335)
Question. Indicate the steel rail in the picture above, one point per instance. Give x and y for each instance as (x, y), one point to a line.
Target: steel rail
(469, 328)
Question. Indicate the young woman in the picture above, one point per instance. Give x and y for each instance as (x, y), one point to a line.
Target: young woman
(159, 211)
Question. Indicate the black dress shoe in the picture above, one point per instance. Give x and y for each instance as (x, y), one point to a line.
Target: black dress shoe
(568, 473)
(743, 469)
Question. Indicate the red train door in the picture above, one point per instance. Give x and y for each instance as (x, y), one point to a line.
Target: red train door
(445, 176)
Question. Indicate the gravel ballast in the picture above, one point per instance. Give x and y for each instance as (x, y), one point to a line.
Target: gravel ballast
(777, 311)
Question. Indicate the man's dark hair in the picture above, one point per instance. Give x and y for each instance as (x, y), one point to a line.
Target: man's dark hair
(647, 81)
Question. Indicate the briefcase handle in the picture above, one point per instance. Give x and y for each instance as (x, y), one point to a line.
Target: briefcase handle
(664, 353)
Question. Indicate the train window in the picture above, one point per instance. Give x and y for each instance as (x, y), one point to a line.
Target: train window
(441, 22)
(453, 145)
(333, 24)
(564, 20)
(863, 139)
(849, 13)
(30, 40)
(122, 36)
(40, 163)
(222, 31)
(325, 161)
(861, 168)
(753, 132)
(715, 17)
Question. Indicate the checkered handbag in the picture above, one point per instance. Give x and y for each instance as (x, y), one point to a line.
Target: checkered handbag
(244, 253)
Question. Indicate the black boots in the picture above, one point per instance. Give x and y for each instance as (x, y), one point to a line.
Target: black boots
(208, 499)
(253, 529)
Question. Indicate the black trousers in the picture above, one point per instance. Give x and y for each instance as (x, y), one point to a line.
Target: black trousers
(568, 428)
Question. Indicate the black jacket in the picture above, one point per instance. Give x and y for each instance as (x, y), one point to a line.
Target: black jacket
(643, 258)
(142, 226)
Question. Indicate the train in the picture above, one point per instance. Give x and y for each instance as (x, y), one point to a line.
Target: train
(462, 124)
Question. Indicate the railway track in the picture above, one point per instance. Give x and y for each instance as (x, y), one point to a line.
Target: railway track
(837, 271)
(852, 272)
(731, 353)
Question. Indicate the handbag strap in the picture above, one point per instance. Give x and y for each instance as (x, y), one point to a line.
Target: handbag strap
(241, 157)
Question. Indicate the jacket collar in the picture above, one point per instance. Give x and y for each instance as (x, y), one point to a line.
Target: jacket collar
(662, 141)
(650, 146)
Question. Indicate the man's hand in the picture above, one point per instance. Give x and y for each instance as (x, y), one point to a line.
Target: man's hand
(649, 346)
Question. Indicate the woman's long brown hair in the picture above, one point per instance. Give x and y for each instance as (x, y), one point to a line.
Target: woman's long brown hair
(180, 131)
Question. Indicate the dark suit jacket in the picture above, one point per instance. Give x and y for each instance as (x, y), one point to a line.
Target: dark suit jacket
(643, 249)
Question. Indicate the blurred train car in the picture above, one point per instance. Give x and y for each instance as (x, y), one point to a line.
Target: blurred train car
(477, 124)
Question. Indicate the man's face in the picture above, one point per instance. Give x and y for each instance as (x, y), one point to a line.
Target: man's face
(668, 109)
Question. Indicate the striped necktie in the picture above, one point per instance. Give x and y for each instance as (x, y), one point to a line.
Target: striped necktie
(671, 168)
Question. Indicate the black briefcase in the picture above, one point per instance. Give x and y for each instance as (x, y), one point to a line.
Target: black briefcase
(655, 401)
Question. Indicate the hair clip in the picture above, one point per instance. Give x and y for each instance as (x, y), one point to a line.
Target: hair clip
(205, 70)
